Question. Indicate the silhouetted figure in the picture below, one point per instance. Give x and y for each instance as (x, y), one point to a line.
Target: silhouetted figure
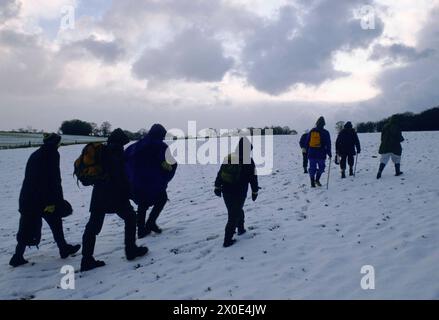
(41, 197)
(234, 176)
(347, 146)
(111, 196)
(304, 147)
(149, 172)
(391, 138)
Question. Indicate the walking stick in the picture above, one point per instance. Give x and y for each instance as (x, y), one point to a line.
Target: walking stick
(355, 169)
(329, 173)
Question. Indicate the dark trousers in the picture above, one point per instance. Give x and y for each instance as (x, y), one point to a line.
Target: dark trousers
(343, 158)
(305, 160)
(235, 205)
(94, 227)
(55, 224)
(157, 208)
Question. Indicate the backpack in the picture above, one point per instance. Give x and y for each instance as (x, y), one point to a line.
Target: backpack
(231, 169)
(88, 168)
(315, 140)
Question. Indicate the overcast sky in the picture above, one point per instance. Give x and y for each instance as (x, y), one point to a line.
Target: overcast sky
(224, 63)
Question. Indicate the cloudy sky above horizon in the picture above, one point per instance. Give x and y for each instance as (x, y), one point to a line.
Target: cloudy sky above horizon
(223, 63)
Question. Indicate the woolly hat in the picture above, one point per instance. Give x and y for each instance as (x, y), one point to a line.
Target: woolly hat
(51, 139)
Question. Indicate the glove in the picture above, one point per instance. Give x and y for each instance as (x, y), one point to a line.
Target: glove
(254, 196)
(166, 166)
(336, 160)
(217, 192)
(49, 209)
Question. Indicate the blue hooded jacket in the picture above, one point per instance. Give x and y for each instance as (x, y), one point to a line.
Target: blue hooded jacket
(325, 146)
(144, 166)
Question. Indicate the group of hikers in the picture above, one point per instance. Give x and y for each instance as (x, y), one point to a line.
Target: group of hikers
(142, 172)
(316, 148)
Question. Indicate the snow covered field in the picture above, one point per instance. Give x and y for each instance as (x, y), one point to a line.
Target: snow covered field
(301, 244)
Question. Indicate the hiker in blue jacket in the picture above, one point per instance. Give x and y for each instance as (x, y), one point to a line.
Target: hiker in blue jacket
(149, 172)
(319, 146)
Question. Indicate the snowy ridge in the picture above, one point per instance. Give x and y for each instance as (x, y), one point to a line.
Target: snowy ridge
(300, 244)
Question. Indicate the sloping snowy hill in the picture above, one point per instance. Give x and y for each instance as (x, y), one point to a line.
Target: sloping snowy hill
(301, 243)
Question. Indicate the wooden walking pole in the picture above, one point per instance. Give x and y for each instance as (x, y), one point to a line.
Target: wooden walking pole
(329, 173)
(355, 169)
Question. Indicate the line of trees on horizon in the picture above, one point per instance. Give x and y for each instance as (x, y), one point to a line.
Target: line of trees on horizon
(427, 120)
(78, 127)
(84, 128)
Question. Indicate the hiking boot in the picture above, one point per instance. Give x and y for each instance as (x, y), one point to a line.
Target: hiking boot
(318, 184)
(380, 170)
(135, 252)
(155, 228)
(241, 231)
(88, 264)
(142, 232)
(313, 182)
(69, 250)
(398, 170)
(229, 243)
(351, 172)
(343, 174)
(17, 261)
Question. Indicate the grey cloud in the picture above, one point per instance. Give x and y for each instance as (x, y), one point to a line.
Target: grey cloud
(193, 56)
(399, 52)
(412, 86)
(26, 66)
(206, 14)
(8, 9)
(107, 51)
(285, 52)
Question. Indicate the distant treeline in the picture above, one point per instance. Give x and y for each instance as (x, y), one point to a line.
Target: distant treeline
(78, 127)
(277, 130)
(83, 128)
(425, 121)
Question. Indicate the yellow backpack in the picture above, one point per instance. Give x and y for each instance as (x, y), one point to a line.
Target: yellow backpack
(315, 140)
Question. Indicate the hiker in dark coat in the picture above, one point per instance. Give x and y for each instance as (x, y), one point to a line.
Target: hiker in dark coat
(41, 197)
(304, 148)
(111, 196)
(149, 169)
(347, 146)
(234, 176)
(319, 146)
(391, 138)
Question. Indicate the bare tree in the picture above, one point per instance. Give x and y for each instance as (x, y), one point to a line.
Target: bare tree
(339, 126)
(106, 128)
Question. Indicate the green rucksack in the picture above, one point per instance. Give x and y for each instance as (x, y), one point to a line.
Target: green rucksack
(231, 169)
